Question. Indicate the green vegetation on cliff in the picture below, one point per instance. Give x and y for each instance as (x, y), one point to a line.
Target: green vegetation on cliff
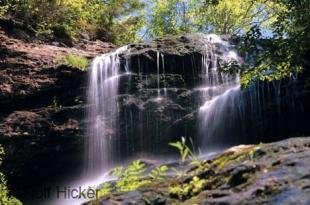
(5, 197)
(76, 61)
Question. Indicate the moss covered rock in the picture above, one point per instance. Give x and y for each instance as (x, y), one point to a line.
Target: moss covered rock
(275, 173)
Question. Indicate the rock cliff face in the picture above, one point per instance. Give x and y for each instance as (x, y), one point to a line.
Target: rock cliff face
(151, 120)
(41, 109)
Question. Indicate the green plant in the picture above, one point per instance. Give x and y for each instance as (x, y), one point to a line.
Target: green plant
(3, 10)
(130, 178)
(158, 173)
(76, 61)
(183, 149)
(133, 177)
(186, 152)
(182, 191)
(55, 105)
(5, 198)
(229, 17)
(104, 190)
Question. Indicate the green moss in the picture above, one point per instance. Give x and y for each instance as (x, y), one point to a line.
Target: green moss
(105, 190)
(208, 176)
(232, 156)
(185, 190)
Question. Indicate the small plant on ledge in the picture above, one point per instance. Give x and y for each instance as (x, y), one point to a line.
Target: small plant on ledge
(187, 154)
(130, 178)
(133, 177)
(76, 61)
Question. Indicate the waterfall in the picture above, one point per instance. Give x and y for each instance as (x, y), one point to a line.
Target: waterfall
(227, 114)
(158, 75)
(220, 92)
(102, 111)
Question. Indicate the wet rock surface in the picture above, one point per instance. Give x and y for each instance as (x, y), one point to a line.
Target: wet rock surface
(174, 55)
(275, 173)
(149, 118)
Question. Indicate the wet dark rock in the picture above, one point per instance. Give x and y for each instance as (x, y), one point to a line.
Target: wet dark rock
(135, 197)
(176, 55)
(240, 175)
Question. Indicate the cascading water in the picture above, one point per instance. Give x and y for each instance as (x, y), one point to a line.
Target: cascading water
(102, 111)
(220, 91)
(102, 121)
(219, 87)
(158, 76)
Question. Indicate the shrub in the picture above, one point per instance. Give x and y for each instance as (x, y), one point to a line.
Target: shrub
(186, 152)
(76, 61)
(3, 10)
(5, 198)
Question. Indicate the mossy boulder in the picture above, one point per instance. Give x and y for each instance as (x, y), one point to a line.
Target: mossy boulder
(275, 173)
